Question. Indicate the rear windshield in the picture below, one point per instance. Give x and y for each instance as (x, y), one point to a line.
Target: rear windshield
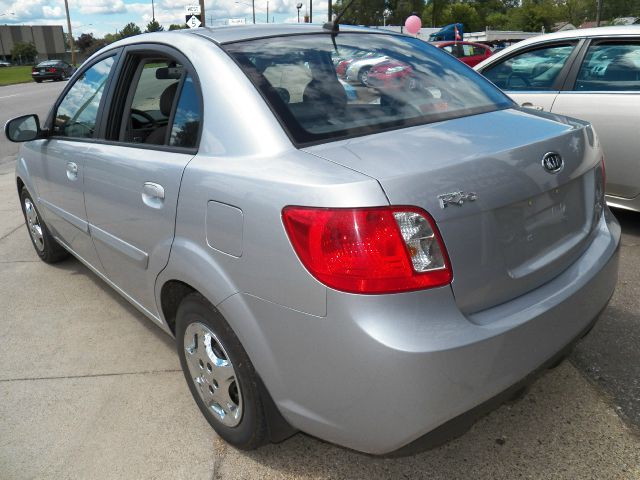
(367, 83)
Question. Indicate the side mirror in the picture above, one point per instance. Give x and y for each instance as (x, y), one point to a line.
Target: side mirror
(23, 129)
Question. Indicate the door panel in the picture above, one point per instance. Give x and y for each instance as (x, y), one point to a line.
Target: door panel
(61, 195)
(615, 118)
(62, 159)
(133, 237)
(132, 185)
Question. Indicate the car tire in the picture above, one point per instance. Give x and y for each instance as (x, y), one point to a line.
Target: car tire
(363, 76)
(47, 248)
(219, 373)
(38, 81)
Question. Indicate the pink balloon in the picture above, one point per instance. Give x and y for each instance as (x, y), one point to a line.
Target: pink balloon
(413, 24)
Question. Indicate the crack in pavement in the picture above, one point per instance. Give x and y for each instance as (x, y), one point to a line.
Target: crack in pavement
(96, 375)
(12, 231)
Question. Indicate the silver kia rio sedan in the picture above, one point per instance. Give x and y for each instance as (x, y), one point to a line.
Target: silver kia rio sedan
(375, 268)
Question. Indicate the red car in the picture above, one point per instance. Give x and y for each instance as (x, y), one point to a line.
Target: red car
(389, 74)
(467, 52)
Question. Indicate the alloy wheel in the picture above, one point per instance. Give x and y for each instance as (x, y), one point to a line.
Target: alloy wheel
(213, 374)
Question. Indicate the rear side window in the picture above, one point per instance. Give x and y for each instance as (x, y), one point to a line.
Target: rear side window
(186, 123)
(77, 114)
(367, 83)
(531, 70)
(613, 66)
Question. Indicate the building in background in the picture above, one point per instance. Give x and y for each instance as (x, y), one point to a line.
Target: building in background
(48, 39)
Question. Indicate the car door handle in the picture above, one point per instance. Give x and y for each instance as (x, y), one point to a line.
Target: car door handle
(72, 171)
(153, 194)
(531, 105)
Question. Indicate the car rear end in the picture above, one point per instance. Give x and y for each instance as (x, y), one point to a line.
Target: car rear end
(47, 71)
(492, 251)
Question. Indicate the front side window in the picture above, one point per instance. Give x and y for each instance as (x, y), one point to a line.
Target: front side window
(367, 83)
(613, 66)
(77, 114)
(162, 90)
(532, 70)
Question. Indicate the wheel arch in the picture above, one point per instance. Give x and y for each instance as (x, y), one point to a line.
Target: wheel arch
(172, 293)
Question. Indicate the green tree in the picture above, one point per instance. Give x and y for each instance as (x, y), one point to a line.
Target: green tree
(175, 26)
(154, 26)
(129, 30)
(464, 13)
(111, 37)
(361, 12)
(401, 9)
(24, 52)
(85, 41)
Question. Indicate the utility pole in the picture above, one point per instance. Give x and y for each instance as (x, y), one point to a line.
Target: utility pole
(153, 12)
(329, 12)
(310, 11)
(202, 15)
(267, 11)
(71, 43)
(598, 12)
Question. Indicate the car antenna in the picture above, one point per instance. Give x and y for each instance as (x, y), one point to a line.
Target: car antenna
(334, 26)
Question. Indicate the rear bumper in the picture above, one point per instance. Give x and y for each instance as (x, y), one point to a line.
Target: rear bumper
(379, 372)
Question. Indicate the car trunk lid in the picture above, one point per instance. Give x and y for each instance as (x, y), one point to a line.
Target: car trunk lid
(518, 225)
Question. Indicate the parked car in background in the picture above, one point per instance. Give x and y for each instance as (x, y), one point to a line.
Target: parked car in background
(371, 271)
(467, 52)
(390, 74)
(592, 74)
(358, 70)
(4, 63)
(51, 70)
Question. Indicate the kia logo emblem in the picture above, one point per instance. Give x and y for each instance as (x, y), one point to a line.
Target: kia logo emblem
(552, 162)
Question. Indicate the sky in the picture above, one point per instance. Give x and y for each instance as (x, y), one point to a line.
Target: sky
(106, 16)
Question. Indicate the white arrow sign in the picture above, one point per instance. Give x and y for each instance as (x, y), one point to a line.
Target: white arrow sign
(193, 22)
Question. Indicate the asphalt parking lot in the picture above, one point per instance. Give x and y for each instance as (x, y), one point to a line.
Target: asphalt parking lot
(89, 388)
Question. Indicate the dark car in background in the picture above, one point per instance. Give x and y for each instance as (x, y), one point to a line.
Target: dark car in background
(467, 52)
(51, 70)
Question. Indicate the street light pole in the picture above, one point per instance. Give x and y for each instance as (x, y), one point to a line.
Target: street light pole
(267, 11)
(202, 13)
(310, 11)
(299, 6)
(153, 12)
(71, 44)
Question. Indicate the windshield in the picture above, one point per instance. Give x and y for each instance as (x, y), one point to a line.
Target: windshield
(368, 84)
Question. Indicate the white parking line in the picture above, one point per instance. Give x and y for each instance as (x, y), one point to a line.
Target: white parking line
(9, 96)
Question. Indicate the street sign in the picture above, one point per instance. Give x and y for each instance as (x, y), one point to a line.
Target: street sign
(193, 21)
(193, 16)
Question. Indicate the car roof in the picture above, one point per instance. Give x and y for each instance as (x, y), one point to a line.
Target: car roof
(238, 33)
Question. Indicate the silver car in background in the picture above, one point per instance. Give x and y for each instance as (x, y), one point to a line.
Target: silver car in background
(591, 74)
(375, 269)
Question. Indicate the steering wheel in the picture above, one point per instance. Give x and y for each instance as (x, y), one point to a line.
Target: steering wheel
(519, 75)
(146, 116)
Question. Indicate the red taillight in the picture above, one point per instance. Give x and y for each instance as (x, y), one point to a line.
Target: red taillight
(51, 70)
(369, 250)
(33, 69)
